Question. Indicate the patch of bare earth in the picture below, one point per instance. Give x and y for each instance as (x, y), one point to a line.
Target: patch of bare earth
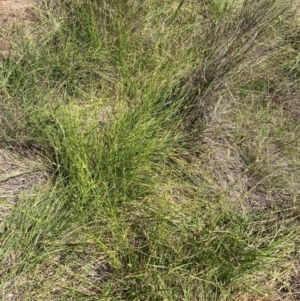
(221, 164)
(295, 281)
(14, 15)
(20, 175)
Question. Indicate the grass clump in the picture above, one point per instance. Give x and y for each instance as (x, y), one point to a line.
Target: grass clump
(174, 159)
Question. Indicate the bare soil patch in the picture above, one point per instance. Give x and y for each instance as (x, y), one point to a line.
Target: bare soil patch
(19, 175)
(14, 15)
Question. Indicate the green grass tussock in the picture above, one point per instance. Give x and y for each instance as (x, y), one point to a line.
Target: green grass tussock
(170, 131)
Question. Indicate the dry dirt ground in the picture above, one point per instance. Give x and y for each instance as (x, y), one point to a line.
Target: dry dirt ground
(21, 175)
(14, 14)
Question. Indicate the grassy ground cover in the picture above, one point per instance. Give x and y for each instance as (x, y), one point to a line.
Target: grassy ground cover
(170, 132)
